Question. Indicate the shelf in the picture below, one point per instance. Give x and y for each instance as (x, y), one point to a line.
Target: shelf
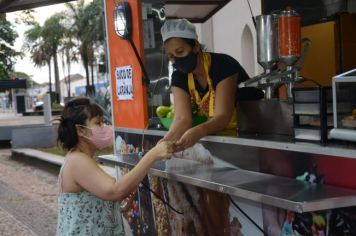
(312, 102)
(333, 149)
(268, 189)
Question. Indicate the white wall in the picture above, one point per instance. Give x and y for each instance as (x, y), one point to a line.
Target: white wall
(98, 78)
(73, 85)
(231, 31)
(205, 34)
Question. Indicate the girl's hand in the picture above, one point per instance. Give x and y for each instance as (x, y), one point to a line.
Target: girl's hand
(163, 150)
(161, 140)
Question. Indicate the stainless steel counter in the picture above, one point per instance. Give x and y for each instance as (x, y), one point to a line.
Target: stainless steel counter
(268, 189)
(331, 150)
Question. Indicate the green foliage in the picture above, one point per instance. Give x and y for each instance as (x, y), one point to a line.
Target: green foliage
(38, 47)
(93, 13)
(21, 75)
(43, 42)
(88, 30)
(26, 17)
(57, 106)
(77, 31)
(7, 54)
(54, 150)
(53, 32)
(58, 151)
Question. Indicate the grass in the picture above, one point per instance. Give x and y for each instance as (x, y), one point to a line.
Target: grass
(53, 150)
(58, 151)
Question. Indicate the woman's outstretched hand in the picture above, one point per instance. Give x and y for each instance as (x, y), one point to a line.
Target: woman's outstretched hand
(188, 139)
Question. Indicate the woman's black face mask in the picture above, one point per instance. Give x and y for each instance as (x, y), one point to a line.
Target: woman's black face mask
(187, 63)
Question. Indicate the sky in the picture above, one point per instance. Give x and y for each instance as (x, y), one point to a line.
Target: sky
(39, 75)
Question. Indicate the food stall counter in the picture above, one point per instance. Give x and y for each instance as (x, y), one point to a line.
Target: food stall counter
(347, 150)
(268, 189)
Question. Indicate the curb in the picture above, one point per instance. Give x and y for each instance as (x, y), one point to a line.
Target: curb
(45, 157)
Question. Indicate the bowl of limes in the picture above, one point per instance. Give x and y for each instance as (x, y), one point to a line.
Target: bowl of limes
(166, 114)
(197, 120)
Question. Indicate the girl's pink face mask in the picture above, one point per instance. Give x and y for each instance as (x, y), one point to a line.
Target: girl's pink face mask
(102, 136)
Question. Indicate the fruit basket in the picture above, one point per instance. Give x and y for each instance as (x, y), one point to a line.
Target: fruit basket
(166, 122)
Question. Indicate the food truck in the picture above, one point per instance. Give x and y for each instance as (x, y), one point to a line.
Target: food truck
(291, 168)
(285, 173)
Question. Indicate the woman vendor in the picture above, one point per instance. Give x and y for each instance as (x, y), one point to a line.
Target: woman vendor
(209, 79)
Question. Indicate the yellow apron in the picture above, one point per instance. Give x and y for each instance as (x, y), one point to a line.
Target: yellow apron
(207, 103)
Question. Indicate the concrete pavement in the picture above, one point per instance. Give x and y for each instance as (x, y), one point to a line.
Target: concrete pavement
(9, 225)
(28, 191)
(28, 198)
(28, 184)
(11, 119)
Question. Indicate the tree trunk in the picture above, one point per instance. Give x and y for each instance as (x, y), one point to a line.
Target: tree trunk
(86, 67)
(68, 72)
(90, 52)
(92, 77)
(50, 79)
(88, 88)
(56, 77)
(69, 92)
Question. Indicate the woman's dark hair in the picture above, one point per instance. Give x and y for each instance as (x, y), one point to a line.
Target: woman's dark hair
(193, 42)
(76, 112)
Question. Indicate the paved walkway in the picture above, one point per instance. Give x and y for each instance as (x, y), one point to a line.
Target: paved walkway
(9, 225)
(28, 198)
(11, 119)
(51, 158)
(28, 192)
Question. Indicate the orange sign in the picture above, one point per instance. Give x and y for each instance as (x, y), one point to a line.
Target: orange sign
(128, 113)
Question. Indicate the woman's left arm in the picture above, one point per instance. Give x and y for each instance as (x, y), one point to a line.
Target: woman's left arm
(224, 107)
(225, 93)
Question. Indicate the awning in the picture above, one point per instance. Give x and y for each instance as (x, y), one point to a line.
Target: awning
(197, 11)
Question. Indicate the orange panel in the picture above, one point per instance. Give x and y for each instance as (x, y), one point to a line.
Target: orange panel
(321, 62)
(127, 113)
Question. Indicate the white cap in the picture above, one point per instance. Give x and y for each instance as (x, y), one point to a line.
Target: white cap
(179, 28)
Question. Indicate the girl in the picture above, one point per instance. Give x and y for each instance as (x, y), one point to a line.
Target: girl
(88, 196)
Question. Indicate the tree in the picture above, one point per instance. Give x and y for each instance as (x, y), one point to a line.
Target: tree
(79, 28)
(52, 33)
(68, 53)
(39, 49)
(95, 33)
(88, 29)
(43, 44)
(7, 54)
(26, 16)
